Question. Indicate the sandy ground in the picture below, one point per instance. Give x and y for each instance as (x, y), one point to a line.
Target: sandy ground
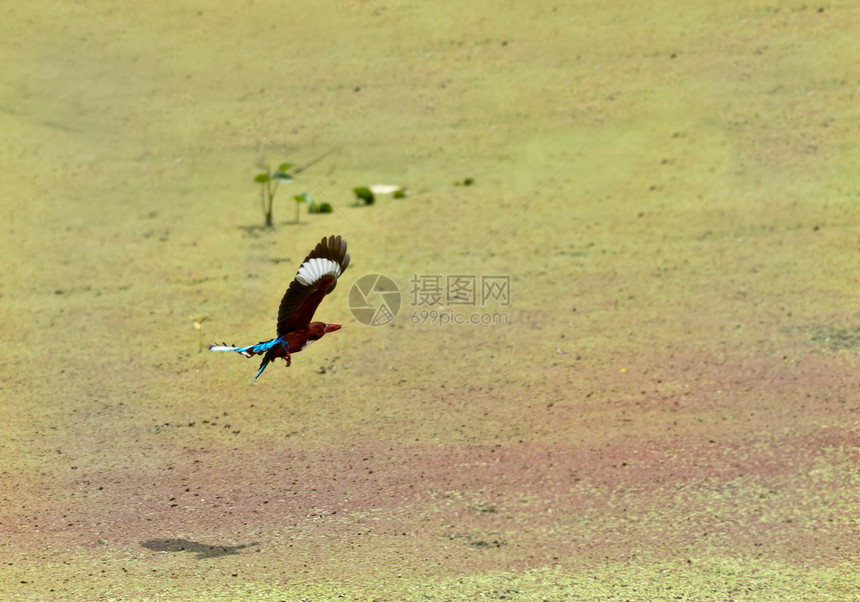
(668, 412)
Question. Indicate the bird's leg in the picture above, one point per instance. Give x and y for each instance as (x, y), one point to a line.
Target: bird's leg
(286, 347)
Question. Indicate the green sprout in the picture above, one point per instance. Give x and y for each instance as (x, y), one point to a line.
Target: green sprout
(306, 199)
(321, 208)
(269, 181)
(198, 320)
(363, 194)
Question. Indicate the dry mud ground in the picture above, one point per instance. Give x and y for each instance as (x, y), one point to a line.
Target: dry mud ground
(670, 411)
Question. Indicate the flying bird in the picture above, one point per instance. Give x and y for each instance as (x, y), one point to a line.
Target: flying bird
(316, 278)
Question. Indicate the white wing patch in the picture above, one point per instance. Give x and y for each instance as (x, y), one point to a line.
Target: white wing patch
(315, 268)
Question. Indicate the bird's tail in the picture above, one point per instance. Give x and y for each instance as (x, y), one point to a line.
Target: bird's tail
(267, 347)
(266, 359)
(250, 350)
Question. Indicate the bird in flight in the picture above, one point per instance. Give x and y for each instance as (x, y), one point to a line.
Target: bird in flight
(316, 278)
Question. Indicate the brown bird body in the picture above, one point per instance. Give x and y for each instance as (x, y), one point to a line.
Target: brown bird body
(316, 278)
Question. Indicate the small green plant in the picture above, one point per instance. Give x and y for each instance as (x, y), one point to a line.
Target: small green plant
(198, 320)
(363, 194)
(465, 182)
(398, 194)
(304, 199)
(321, 208)
(269, 181)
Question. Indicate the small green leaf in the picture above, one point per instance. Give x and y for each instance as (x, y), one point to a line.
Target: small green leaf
(262, 178)
(324, 208)
(285, 166)
(303, 198)
(399, 194)
(283, 176)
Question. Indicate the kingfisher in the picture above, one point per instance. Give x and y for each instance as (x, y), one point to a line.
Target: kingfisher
(316, 278)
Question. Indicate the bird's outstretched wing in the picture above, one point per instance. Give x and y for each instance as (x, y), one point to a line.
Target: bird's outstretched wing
(316, 278)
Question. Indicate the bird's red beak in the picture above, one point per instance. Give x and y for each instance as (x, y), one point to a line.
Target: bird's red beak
(332, 327)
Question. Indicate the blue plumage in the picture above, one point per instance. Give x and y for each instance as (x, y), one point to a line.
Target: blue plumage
(260, 347)
(252, 350)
